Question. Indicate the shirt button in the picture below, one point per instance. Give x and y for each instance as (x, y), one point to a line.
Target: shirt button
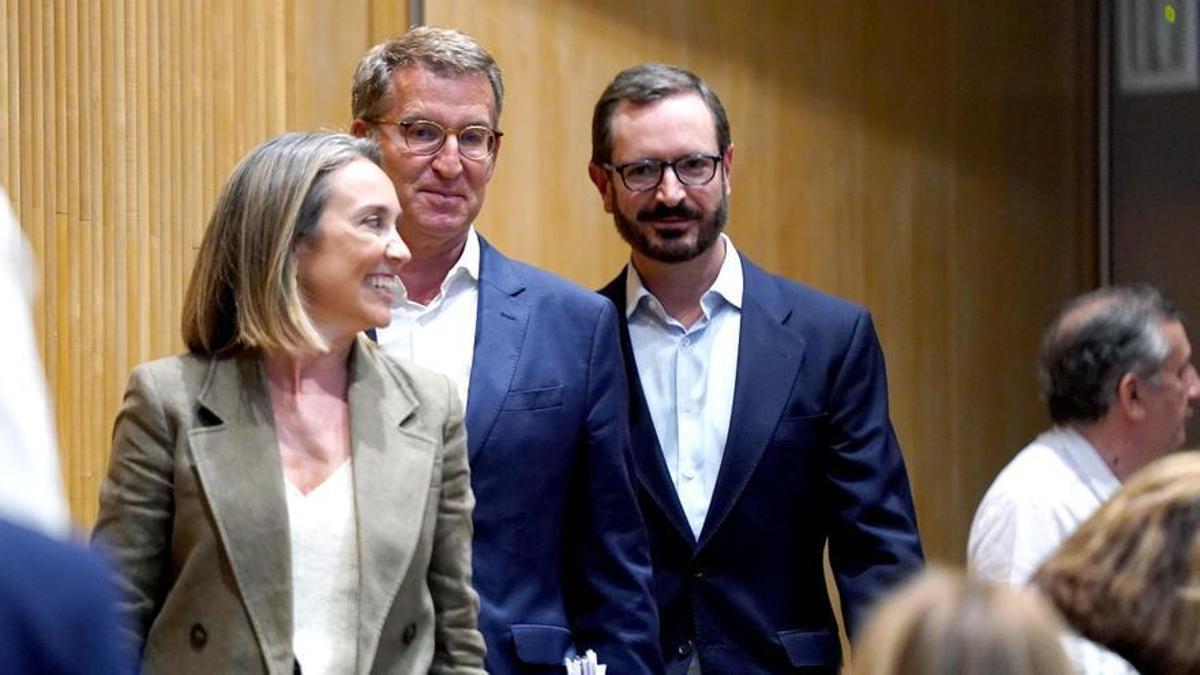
(689, 472)
(685, 649)
(686, 341)
(199, 636)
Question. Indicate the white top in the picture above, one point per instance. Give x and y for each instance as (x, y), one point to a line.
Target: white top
(441, 335)
(325, 574)
(31, 491)
(688, 377)
(1038, 500)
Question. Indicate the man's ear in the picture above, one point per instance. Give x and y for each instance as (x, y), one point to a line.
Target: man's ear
(1130, 397)
(359, 127)
(602, 181)
(727, 168)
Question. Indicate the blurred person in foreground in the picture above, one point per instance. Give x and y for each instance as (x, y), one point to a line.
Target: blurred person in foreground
(1129, 577)
(284, 497)
(944, 623)
(57, 611)
(560, 553)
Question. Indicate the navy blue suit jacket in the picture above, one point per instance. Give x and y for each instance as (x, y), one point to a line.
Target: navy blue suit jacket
(57, 608)
(560, 553)
(811, 456)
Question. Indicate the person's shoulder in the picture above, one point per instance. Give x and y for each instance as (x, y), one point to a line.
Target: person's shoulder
(28, 557)
(759, 281)
(541, 285)
(1035, 477)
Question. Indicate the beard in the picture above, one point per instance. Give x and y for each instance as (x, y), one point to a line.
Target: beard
(672, 247)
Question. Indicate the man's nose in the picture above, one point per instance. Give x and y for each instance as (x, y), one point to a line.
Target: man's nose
(447, 162)
(1193, 386)
(670, 191)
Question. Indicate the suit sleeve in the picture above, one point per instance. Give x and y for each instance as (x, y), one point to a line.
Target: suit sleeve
(610, 599)
(137, 503)
(459, 645)
(873, 540)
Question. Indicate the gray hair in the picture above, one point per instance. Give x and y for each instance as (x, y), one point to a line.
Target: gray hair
(442, 51)
(643, 84)
(1096, 340)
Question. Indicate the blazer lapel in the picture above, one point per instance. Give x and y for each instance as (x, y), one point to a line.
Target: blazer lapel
(499, 336)
(769, 357)
(393, 467)
(649, 465)
(237, 459)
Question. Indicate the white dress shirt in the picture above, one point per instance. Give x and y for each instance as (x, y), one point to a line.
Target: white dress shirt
(1038, 500)
(441, 335)
(688, 376)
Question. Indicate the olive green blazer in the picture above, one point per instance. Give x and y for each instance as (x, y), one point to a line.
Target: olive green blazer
(193, 516)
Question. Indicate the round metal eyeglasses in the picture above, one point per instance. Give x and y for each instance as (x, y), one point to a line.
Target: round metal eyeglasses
(426, 137)
(645, 174)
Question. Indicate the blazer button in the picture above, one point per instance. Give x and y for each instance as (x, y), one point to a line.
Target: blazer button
(199, 636)
(410, 632)
(685, 649)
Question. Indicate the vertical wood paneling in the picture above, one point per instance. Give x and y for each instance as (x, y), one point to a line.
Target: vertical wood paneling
(931, 161)
(119, 121)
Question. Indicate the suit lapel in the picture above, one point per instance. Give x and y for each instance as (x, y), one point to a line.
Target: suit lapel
(392, 472)
(649, 465)
(237, 460)
(499, 336)
(769, 357)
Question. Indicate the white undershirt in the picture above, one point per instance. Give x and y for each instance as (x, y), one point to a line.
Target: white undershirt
(441, 335)
(324, 534)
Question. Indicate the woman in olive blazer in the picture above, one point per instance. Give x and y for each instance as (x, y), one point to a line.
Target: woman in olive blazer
(194, 512)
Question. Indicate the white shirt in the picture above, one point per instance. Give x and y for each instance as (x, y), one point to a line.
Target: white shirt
(31, 491)
(441, 335)
(1038, 500)
(688, 377)
(324, 538)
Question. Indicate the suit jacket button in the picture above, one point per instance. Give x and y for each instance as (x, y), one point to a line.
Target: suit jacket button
(685, 649)
(199, 636)
(410, 632)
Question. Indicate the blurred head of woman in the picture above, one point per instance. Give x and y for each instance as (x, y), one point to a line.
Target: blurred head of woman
(301, 252)
(943, 622)
(1129, 577)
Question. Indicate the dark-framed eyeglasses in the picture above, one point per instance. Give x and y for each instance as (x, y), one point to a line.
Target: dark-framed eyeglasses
(645, 174)
(426, 137)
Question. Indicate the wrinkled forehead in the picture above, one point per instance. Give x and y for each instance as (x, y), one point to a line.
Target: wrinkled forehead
(416, 87)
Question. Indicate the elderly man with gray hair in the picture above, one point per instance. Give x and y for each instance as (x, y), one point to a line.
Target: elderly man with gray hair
(1117, 375)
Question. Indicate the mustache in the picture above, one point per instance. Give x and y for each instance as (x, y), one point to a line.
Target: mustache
(664, 211)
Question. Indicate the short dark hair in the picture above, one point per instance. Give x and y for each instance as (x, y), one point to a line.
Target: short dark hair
(643, 84)
(1096, 340)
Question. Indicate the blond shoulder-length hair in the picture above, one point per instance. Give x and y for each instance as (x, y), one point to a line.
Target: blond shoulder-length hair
(1129, 577)
(945, 623)
(243, 293)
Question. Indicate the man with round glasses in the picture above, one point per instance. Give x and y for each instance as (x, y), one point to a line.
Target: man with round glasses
(561, 562)
(758, 412)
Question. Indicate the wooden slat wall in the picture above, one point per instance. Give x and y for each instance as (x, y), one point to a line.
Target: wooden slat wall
(119, 122)
(931, 160)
